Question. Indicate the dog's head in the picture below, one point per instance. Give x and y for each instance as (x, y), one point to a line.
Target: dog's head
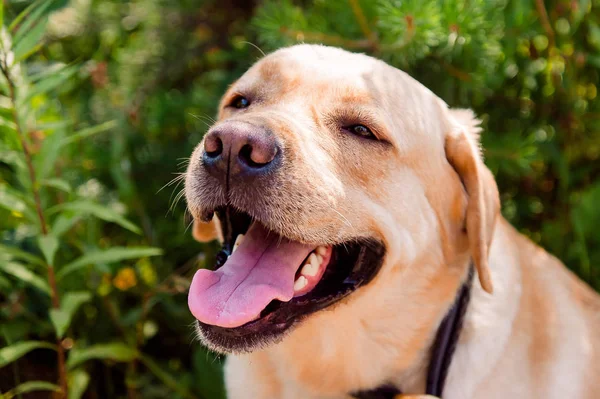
(328, 171)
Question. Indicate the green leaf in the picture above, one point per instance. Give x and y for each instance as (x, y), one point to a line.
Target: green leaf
(1, 13)
(10, 353)
(61, 318)
(14, 201)
(49, 245)
(30, 43)
(78, 382)
(50, 82)
(63, 223)
(115, 351)
(101, 212)
(17, 253)
(60, 321)
(59, 184)
(31, 386)
(13, 158)
(33, 16)
(110, 255)
(24, 274)
(87, 132)
(49, 152)
(24, 14)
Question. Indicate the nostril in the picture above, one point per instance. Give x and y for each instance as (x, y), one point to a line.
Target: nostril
(245, 155)
(213, 146)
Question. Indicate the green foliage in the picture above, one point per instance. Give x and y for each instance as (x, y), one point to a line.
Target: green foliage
(11, 353)
(108, 96)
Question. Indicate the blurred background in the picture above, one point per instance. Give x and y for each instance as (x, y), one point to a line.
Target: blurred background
(102, 101)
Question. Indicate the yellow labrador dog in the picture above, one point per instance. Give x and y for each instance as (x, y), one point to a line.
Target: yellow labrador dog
(351, 203)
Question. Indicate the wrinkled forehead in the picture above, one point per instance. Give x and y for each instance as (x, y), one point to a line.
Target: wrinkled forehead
(314, 71)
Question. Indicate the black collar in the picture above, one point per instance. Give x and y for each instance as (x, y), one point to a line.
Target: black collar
(442, 349)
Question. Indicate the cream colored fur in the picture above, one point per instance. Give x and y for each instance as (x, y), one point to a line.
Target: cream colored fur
(532, 329)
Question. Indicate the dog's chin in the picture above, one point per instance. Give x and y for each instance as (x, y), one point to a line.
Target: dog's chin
(346, 266)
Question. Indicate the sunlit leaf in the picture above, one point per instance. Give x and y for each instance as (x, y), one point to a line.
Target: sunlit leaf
(51, 126)
(30, 43)
(57, 183)
(31, 386)
(101, 212)
(13, 158)
(22, 273)
(10, 353)
(70, 302)
(115, 351)
(78, 382)
(87, 132)
(49, 245)
(110, 255)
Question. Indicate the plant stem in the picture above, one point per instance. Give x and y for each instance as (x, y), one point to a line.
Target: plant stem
(43, 225)
(545, 20)
(363, 22)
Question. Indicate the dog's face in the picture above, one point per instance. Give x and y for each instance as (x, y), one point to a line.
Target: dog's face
(328, 171)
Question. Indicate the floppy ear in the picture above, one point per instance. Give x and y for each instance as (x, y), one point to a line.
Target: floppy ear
(463, 153)
(205, 232)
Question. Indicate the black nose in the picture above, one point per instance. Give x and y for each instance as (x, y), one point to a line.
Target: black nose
(239, 149)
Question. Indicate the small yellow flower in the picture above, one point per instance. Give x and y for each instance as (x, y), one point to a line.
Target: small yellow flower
(125, 279)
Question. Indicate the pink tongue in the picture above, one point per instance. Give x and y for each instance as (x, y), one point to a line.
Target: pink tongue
(262, 269)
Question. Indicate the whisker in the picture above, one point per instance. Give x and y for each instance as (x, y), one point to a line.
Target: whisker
(188, 226)
(177, 199)
(345, 219)
(180, 176)
(256, 47)
(200, 118)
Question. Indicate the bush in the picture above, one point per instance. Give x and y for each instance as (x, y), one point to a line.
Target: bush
(101, 102)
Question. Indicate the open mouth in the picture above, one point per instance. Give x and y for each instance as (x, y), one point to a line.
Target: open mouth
(263, 283)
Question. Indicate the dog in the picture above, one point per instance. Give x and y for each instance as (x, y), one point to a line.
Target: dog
(351, 203)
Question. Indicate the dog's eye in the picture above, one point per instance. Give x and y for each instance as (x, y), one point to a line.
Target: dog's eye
(240, 102)
(361, 130)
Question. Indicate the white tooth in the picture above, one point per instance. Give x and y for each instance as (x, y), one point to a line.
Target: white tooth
(309, 269)
(319, 260)
(313, 259)
(321, 250)
(237, 242)
(300, 283)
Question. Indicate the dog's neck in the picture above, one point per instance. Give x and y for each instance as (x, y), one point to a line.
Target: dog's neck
(441, 351)
(387, 338)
